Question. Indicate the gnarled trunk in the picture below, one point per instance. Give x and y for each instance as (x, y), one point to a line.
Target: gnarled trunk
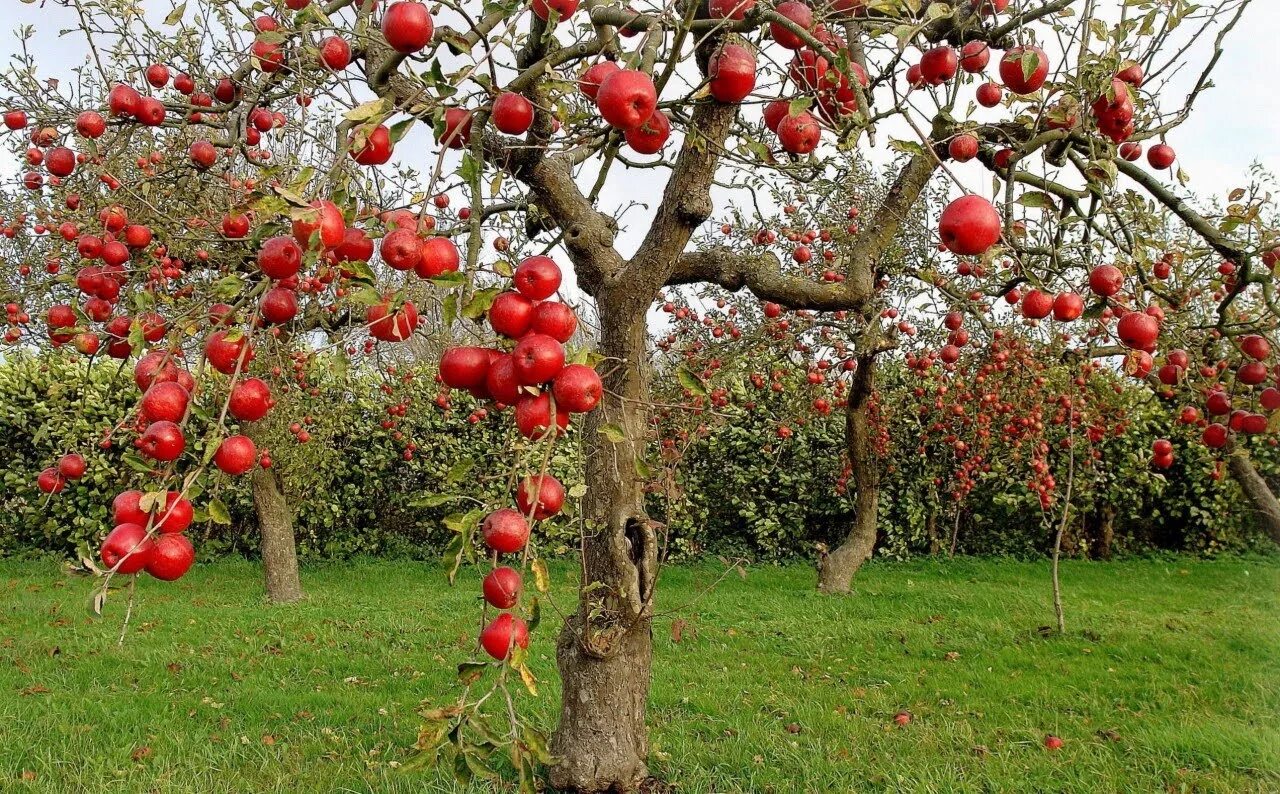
(604, 651)
(275, 522)
(836, 570)
(1257, 491)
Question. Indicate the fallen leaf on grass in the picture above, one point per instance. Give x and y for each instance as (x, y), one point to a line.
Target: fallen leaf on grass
(951, 656)
(28, 775)
(141, 754)
(37, 689)
(268, 739)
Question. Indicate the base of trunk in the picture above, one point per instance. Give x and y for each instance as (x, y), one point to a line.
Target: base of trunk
(837, 569)
(279, 548)
(601, 744)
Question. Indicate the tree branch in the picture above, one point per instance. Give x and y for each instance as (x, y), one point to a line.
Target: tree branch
(761, 273)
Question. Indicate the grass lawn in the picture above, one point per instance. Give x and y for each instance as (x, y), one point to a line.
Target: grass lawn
(1168, 679)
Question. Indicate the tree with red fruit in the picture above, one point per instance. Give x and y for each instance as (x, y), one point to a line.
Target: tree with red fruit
(642, 91)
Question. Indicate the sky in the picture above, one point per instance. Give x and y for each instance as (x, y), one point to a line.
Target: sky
(1235, 123)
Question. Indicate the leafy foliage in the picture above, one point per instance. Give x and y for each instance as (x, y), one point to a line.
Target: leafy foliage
(738, 490)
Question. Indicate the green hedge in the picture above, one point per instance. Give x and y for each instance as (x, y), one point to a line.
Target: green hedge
(738, 489)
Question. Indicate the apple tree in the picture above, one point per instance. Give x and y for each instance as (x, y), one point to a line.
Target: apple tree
(597, 141)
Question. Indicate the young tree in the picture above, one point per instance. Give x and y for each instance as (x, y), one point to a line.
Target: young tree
(541, 111)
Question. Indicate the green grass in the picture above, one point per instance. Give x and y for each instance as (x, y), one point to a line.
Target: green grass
(1167, 679)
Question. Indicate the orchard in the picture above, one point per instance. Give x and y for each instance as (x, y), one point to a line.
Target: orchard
(950, 248)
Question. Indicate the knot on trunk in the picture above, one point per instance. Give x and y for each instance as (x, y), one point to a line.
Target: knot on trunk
(694, 210)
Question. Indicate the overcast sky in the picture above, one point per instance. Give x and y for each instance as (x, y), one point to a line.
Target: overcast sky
(1235, 123)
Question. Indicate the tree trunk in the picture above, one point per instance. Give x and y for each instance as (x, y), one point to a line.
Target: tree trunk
(1257, 491)
(275, 521)
(1105, 532)
(836, 570)
(604, 651)
(931, 532)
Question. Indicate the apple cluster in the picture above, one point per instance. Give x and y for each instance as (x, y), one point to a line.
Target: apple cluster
(530, 374)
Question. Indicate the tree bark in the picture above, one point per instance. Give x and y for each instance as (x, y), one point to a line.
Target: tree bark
(931, 531)
(604, 651)
(837, 569)
(1105, 532)
(1256, 490)
(279, 553)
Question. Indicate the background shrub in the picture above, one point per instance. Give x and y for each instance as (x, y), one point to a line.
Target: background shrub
(736, 490)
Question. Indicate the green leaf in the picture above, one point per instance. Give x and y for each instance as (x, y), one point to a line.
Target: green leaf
(470, 169)
(401, 129)
(227, 287)
(366, 296)
(471, 672)
(799, 105)
(456, 522)
(690, 381)
(136, 463)
(360, 271)
(1037, 199)
(218, 512)
(435, 500)
(535, 614)
(461, 770)
(368, 110)
(480, 303)
(449, 309)
(446, 280)
(459, 470)
(1030, 62)
(907, 147)
(175, 16)
(615, 434)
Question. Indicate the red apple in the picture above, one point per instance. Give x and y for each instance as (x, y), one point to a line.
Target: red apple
(651, 136)
(502, 587)
(541, 494)
(236, 455)
(577, 389)
(1024, 69)
(537, 277)
(732, 73)
(538, 358)
(171, 557)
(627, 98)
(128, 547)
(505, 531)
(164, 402)
(969, 226)
(556, 320)
(512, 113)
(511, 314)
(464, 367)
(502, 634)
(407, 26)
